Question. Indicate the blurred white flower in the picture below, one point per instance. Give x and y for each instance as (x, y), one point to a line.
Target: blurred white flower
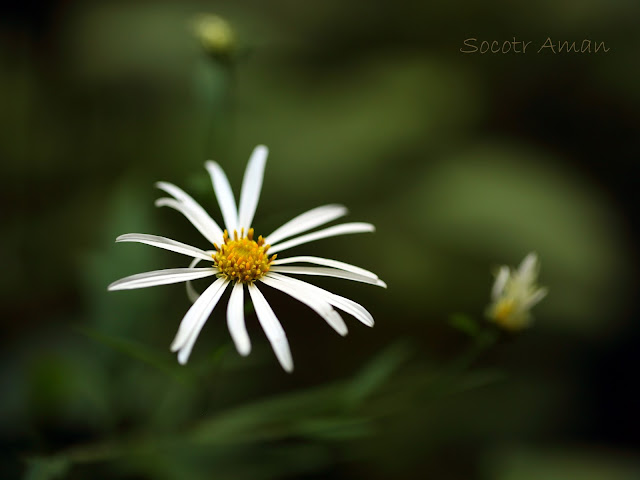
(215, 33)
(514, 293)
(240, 259)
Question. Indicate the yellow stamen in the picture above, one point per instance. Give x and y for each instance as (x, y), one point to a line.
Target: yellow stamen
(503, 310)
(506, 314)
(242, 259)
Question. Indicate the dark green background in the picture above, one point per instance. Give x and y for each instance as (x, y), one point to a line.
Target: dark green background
(462, 161)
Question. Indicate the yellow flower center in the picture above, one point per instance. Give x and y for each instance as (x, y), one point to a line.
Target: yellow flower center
(507, 315)
(242, 259)
(503, 310)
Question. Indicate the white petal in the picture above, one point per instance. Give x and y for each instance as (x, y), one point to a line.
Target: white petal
(528, 268)
(535, 298)
(342, 303)
(198, 313)
(313, 301)
(235, 320)
(193, 211)
(166, 243)
(352, 308)
(161, 277)
(251, 186)
(192, 294)
(272, 328)
(326, 262)
(341, 229)
(206, 232)
(501, 280)
(224, 194)
(329, 272)
(185, 352)
(306, 221)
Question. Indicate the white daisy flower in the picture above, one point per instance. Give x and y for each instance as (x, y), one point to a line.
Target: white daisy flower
(514, 294)
(240, 260)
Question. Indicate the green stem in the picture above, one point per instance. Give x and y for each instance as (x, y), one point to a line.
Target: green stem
(484, 340)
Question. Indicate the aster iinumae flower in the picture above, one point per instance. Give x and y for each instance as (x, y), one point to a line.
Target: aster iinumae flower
(514, 294)
(241, 259)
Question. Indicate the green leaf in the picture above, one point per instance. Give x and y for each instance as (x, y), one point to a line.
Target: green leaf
(376, 373)
(465, 324)
(334, 428)
(46, 468)
(267, 419)
(137, 352)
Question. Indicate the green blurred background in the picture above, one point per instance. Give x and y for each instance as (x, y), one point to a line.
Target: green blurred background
(462, 161)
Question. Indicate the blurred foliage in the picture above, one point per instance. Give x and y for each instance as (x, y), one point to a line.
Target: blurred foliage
(463, 163)
(315, 416)
(559, 464)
